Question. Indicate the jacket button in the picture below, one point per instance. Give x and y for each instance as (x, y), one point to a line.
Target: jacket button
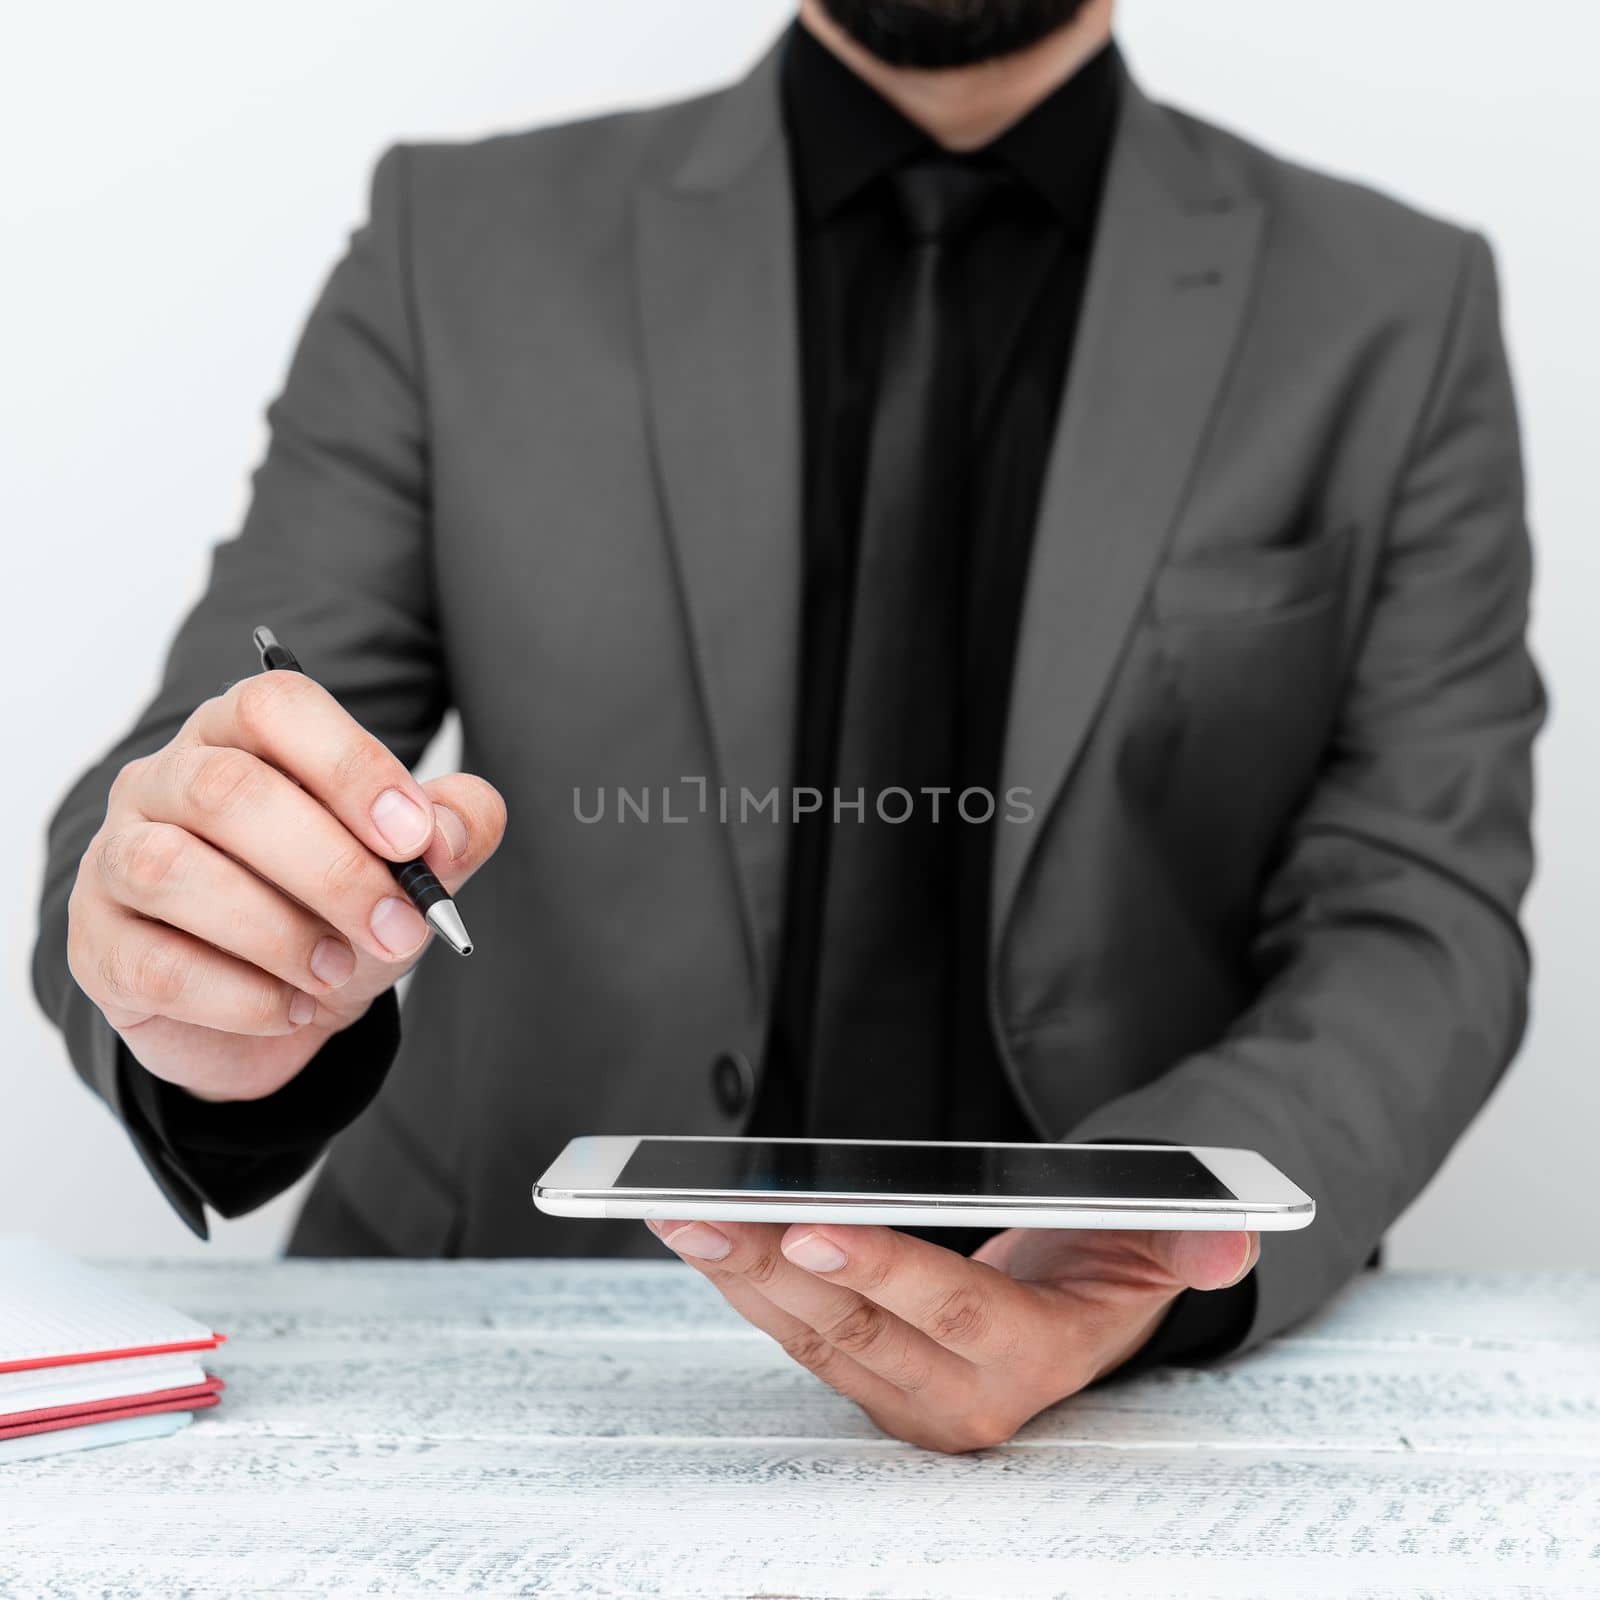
(733, 1081)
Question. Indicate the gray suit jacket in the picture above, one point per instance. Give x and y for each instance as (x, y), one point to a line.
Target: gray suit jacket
(538, 459)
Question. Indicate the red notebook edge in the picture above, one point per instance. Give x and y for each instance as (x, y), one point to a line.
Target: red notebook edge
(199, 1398)
(104, 1410)
(79, 1358)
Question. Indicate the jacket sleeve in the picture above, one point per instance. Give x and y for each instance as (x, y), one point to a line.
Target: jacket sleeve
(1392, 973)
(335, 556)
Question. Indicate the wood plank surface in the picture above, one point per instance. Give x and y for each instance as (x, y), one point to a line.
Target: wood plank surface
(591, 1428)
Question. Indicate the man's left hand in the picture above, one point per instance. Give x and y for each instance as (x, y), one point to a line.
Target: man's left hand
(947, 1351)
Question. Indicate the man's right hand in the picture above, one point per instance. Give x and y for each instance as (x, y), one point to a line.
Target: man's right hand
(236, 908)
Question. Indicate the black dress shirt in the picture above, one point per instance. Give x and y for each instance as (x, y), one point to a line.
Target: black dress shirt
(1022, 268)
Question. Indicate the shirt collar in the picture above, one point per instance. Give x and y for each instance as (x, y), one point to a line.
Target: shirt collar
(844, 134)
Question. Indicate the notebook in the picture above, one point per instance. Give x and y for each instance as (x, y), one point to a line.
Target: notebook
(55, 1312)
(85, 1362)
(50, 1419)
(88, 1381)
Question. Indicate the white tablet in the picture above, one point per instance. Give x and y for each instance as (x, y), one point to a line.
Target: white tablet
(921, 1183)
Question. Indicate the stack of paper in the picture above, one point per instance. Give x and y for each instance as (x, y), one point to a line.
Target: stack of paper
(84, 1362)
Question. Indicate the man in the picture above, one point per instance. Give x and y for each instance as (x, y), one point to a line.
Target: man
(928, 415)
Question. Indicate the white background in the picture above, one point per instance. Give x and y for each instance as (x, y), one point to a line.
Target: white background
(180, 175)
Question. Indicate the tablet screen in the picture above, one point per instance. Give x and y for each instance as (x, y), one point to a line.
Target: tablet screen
(956, 1171)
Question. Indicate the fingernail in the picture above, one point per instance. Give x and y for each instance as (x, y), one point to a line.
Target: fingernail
(815, 1253)
(402, 822)
(398, 926)
(452, 830)
(302, 1009)
(1245, 1266)
(697, 1240)
(333, 961)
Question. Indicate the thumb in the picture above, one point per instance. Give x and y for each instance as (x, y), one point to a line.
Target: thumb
(1198, 1260)
(470, 822)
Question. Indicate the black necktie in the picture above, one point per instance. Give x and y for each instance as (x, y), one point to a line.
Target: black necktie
(884, 966)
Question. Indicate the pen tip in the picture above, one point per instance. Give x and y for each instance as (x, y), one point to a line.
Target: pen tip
(446, 921)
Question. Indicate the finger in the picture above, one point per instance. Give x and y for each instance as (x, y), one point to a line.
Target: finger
(871, 1335)
(142, 969)
(166, 873)
(292, 723)
(255, 814)
(876, 1338)
(965, 1307)
(1202, 1260)
(471, 822)
(800, 1342)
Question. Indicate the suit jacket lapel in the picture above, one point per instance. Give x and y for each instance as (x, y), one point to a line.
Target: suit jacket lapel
(1168, 284)
(716, 276)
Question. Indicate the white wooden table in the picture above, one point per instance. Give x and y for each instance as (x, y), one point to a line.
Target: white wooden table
(581, 1429)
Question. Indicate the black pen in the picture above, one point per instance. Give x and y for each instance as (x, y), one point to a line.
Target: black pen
(423, 890)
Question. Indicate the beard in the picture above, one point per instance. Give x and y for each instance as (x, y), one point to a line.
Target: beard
(948, 33)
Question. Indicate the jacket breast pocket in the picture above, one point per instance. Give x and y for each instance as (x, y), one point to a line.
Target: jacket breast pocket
(1241, 651)
(1246, 582)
